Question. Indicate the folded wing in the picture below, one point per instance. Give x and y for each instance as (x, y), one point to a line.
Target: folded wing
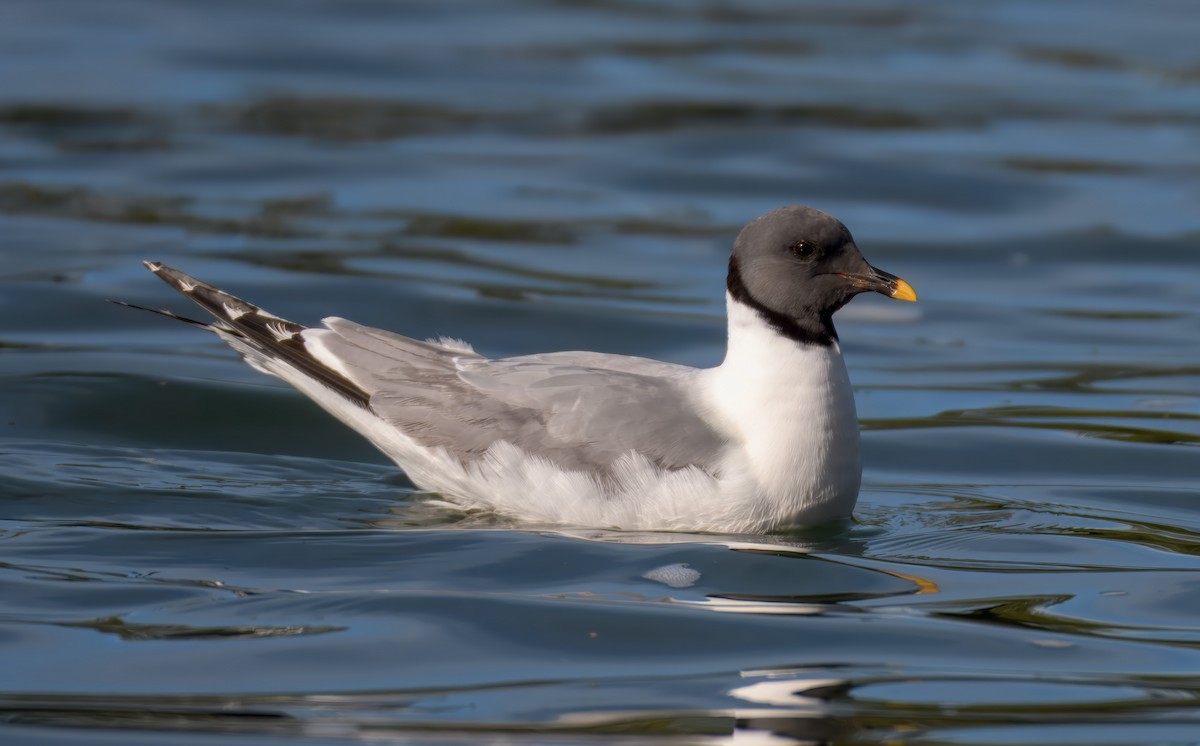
(579, 410)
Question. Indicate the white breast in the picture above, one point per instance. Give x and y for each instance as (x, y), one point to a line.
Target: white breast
(789, 411)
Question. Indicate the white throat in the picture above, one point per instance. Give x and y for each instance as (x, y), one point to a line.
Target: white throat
(788, 410)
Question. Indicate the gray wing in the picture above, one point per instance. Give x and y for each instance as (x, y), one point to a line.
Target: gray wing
(579, 410)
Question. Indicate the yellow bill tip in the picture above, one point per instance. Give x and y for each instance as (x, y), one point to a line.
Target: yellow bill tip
(903, 291)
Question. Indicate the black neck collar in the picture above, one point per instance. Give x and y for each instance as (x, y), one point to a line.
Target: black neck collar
(815, 330)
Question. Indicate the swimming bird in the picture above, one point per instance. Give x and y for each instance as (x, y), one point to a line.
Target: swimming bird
(766, 440)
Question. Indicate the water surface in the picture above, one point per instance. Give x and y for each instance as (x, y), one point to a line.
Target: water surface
(190, 553)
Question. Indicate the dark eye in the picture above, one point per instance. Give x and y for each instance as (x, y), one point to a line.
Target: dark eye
(803, 249)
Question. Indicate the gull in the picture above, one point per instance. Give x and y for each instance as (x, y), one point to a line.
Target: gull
(765, 441)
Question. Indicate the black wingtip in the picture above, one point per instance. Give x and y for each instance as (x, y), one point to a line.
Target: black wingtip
(162, 312)
(273, 337)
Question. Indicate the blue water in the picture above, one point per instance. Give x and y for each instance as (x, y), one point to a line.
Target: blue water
(191, 553)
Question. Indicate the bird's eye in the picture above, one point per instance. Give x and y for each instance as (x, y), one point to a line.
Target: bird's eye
(803, 249)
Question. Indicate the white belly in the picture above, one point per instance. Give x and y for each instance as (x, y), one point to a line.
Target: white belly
(789, 411)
